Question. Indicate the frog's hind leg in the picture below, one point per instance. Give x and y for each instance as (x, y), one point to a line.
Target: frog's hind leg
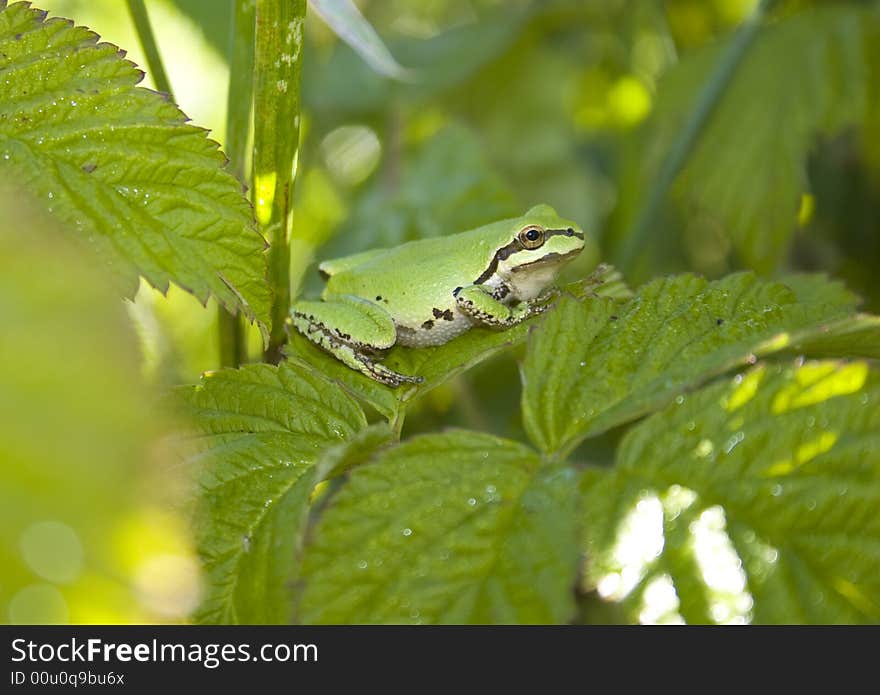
(354, 331)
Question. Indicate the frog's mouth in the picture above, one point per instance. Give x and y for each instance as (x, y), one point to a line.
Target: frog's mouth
(549, 259)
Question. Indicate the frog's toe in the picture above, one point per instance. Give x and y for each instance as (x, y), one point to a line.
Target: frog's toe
(386, 376)
(551, 294)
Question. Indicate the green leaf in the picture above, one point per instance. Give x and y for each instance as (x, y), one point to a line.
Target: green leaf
(262, 430)
(596, 364)
(357, 450)
(441, 362)
(854, 336)
(450, 528)
(604, 281)
(121, 166)
(750, 500)
(344, 18)
(749, 167)
(306, 354)
(818, 288)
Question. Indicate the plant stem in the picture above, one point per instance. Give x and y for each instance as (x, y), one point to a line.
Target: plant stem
(669, 43)
(141, 21)
(230, 337)
(233, 351)
(277, 70)
(397, 422)
(689, 135)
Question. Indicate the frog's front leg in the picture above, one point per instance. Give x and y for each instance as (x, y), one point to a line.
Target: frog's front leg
(353, 330)
(476, 302)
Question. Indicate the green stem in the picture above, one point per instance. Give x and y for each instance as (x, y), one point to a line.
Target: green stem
(666, 32)
(141, 21)
(277, 70)
(397, 422)
(687, 139)
(230, 337)
(233, 351)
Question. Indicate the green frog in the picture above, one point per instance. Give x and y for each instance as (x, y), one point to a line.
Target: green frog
(429, 291)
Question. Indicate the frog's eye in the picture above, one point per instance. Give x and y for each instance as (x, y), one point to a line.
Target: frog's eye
(531, 237)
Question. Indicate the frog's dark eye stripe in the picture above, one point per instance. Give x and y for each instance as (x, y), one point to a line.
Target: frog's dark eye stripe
(566, 232)
(517, 245)
(501, 254)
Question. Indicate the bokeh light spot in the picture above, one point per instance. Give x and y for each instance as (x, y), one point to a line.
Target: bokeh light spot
(53, 551)
(806, 210)
(629, 101)
(722, 570)
(815, 383)
(351, 153)
(660, 602)
(639, 542)
(169, 585)
(38, 604)
(745, 388)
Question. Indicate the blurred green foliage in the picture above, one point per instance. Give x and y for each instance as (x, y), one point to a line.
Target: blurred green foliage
(83, 533)
(507, 104)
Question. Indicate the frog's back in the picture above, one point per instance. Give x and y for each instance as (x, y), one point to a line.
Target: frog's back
(425, 268)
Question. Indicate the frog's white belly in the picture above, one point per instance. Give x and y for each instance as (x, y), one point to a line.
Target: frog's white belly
(436, 330)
